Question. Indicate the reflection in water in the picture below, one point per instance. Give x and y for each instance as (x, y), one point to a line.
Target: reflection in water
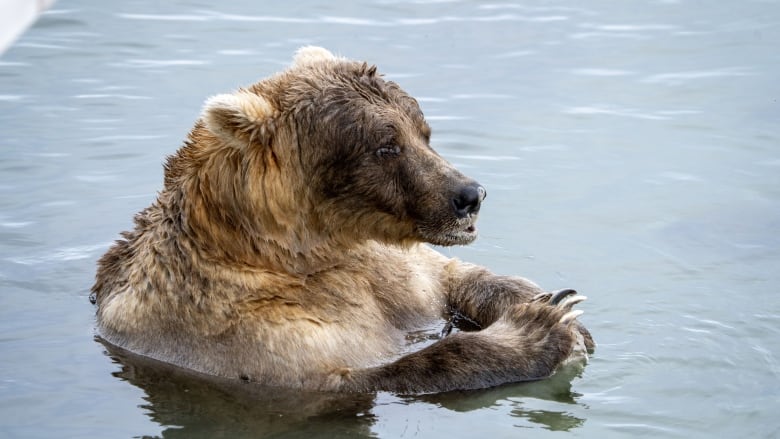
(192, 405)
(556, 389)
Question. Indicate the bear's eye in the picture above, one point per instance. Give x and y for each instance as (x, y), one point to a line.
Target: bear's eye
(389, 151)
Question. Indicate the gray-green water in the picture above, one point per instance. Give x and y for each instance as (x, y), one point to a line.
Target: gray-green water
(631, 151)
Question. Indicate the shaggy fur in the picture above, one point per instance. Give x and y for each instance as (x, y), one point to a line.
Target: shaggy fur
(286, 247)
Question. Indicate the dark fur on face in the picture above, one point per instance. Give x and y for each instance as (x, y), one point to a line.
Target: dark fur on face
(365, 148)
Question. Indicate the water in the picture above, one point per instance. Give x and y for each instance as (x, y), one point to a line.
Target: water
(631, 150)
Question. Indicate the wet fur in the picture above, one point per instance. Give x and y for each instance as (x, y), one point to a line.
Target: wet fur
(286, 247)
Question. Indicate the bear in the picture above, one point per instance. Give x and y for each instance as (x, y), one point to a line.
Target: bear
(291, 245)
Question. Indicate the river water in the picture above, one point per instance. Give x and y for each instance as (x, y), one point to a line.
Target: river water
(631, 150)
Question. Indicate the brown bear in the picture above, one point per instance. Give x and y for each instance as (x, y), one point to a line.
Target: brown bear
(288, 247)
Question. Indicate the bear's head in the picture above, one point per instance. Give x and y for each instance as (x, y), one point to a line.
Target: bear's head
(326, 152)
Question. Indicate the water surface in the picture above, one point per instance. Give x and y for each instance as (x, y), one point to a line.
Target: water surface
(631, 150)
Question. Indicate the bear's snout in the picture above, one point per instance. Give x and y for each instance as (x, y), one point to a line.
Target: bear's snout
(468, 199)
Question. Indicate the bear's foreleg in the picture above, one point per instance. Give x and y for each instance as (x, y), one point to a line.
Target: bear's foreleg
(476, 297)
(481, 297)
(528, 342)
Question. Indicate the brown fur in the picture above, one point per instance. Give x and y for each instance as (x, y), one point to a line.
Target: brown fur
(286, 248)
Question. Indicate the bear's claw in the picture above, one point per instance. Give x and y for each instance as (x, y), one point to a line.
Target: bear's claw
(559, 295)
(564, 299)
(555, 297)
(571, 316)
(570, 301)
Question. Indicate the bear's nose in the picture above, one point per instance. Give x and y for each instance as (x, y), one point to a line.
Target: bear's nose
(469, 198)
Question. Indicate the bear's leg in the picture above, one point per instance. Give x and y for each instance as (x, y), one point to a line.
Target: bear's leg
(478, 297)
(528, 342)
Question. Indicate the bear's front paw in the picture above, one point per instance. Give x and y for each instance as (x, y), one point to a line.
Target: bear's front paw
(568, 298)
(565, 299)
(548, 331)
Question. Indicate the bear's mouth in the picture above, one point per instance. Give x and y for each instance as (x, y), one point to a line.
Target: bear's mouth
(461, 235)
(469, 234)
(461, 231)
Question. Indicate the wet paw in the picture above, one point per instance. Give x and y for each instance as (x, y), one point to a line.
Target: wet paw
(553, 313)
(567, 298)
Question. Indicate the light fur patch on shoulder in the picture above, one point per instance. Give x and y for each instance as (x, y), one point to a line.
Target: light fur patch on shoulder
(308, 55)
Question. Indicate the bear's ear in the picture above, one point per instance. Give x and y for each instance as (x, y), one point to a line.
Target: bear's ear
(308, 55)
(238, 118)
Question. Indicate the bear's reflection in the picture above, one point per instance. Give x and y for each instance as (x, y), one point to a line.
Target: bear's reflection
(191, 405)
(556, 388)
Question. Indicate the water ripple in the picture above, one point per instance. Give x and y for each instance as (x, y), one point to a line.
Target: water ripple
(161, 63)
(62, 254)
(490, 158)
(601, 72)
(674, 178)
(514, 54)
(110, 96)
(708, 322)
(605, 396)
(124, 137)
(446, 117)
(628, 27)
(677, 78)
(613, 110)
(481, 96)
(15, 224)
(769, 358)
(329, 19)
(11, 98)
(13, 64)
(640, 429)
(237, 52)
(164, 17)
(537, 9)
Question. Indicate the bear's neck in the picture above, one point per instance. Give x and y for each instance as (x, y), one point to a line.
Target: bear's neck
(225, 216)
(213, 238)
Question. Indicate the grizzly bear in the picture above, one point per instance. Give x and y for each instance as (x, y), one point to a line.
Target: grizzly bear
(288, 247)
